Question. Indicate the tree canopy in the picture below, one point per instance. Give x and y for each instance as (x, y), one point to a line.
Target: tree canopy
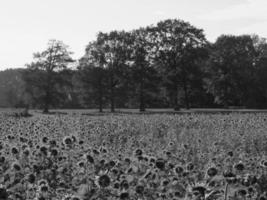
(44, 77)
(169, 64)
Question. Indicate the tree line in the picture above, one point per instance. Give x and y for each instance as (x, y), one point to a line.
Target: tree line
(170, 64)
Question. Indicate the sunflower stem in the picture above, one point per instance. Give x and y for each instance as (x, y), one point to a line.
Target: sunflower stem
(226, 191)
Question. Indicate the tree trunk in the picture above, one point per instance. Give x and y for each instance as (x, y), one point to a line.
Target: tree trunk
(112, 98)
(47, 93)
(46, 106)
(142, 100)
(100, 105)
(45, 109)
(100, 96)
(186, 96)
(176, 103)
(112, 101)
(141, 96)
(47, 102)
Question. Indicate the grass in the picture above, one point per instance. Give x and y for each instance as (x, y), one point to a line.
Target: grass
(159, 111)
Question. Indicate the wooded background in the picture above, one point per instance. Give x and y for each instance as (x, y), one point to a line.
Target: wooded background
(167, 65)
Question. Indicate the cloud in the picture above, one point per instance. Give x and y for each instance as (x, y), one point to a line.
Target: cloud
(252, 9)
(159, 13)
(257, 28)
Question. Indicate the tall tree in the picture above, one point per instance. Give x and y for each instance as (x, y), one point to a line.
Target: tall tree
(43, 75)
(232, 68)
(116, 49)
(93, 73)
(180, 49)
(143, 73)
(12, 88)
(259, 95)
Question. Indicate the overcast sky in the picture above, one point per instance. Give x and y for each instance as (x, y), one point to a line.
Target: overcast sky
(27, 25)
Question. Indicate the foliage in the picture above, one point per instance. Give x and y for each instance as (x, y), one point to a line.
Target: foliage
(232, 63)
(45, 76)
(144, 76)
(180, 48)
(11, 88)
(170, 64)
(115, 53)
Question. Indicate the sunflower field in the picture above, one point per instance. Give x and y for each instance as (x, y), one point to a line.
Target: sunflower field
(134, 157)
